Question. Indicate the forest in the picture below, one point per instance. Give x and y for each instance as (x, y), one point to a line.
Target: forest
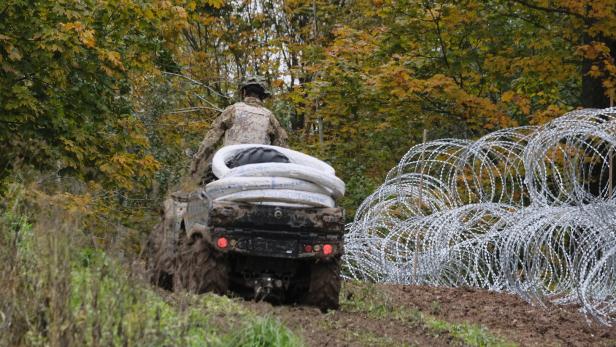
(104, 102)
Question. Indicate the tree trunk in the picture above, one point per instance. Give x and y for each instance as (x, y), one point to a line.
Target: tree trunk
(593, 92)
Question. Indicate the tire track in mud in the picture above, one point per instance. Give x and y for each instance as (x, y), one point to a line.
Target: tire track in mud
(395, 315)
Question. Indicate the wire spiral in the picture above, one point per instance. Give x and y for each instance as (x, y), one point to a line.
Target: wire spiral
(527, 210)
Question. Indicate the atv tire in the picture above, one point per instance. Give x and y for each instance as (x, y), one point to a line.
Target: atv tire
(324, 285)
(201, 268)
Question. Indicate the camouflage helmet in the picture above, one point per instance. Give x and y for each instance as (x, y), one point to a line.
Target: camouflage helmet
(255, 81)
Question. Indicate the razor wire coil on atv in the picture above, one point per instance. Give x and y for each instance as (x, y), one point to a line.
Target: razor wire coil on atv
(528, 210)
(296, 179)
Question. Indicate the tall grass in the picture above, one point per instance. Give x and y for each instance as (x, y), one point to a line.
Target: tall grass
(265, 332)
(57, 288)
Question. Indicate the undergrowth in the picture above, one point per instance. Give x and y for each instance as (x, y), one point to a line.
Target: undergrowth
(60, 289)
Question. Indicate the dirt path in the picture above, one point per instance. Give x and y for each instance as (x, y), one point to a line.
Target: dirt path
(383, 315)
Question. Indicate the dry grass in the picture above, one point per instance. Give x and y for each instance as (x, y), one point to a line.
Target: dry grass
(60, 289)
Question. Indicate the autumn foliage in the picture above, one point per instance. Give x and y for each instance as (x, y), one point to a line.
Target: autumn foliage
(116, 93)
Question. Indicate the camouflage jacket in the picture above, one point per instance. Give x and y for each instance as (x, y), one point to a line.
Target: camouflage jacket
(243, 122)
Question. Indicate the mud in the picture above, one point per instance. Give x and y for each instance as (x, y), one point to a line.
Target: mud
(343, 328)
(504, 315)
(389, 315)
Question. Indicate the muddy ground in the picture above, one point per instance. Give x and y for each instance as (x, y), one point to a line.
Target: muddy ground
(393, 315)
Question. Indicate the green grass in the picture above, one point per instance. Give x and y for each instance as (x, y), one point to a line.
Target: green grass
(60, 290)
(265, 332)
(368, 338)
(468, 334)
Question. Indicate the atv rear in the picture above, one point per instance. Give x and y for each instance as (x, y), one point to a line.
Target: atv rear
(280, 253)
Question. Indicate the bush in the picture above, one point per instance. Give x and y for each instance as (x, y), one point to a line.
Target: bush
(59, 289)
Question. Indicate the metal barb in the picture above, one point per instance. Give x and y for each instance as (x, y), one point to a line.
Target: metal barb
(525, 210)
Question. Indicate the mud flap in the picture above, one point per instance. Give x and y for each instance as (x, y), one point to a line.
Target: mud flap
(196, 215)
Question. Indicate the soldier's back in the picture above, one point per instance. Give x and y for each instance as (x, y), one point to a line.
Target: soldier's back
(250, 124)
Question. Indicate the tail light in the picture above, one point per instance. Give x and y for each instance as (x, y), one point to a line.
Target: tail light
(222, 242)
(308, 248)
(328, 249)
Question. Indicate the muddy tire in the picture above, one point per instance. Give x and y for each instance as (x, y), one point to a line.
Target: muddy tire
(201, 268)
(324, 285)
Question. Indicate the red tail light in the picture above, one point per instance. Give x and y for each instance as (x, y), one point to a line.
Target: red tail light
(222, 242)
(308, 248)
(328, 249)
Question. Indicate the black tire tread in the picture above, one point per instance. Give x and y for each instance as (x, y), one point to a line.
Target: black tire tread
(324, 288)
(201, 268)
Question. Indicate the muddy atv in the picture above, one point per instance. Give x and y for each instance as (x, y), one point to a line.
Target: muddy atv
(279, 253)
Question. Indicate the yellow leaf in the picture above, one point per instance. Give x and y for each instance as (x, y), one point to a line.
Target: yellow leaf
(112, 57)
(216, 3)
(14, 54)
(77, 26)
(594, 71)
(87, 38)
(148, 14)
(507, 96)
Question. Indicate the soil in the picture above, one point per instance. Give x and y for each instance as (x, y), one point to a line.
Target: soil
(360, 323)
(396, 315)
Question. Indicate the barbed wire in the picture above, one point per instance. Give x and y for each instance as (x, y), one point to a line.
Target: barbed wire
(527, 210)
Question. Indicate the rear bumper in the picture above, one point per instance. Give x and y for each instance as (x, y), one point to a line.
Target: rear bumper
(277, 244)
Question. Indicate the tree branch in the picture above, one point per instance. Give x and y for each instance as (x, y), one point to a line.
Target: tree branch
(208, 102)
(11, 122)
(196, 82)
(194, 109)
(549, 9)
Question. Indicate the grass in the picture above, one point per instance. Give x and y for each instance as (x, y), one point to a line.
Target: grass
(58, 289)
(468, 334)
(361, 337)
(265, 332)
(368, 338)
(61, 288)
(367, 299)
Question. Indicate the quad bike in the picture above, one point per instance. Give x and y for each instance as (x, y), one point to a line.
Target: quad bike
(280, 253)
(276, 252)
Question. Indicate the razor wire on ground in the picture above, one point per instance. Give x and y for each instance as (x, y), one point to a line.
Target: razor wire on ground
(527, 210)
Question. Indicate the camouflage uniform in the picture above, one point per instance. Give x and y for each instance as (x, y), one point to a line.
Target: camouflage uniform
(243, 122)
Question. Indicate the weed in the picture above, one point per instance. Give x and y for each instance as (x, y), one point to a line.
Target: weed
(468, 334)
(265, 332)
(435, 307)
(61, 290)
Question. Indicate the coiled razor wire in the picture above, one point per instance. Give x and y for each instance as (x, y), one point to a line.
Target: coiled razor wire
(527, 210)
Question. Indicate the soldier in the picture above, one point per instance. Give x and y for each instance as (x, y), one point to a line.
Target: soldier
(243, 122)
